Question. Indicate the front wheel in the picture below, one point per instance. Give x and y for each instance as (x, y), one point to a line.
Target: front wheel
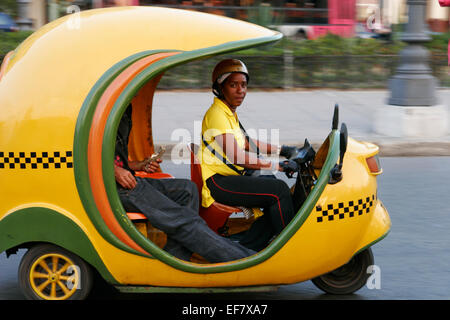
(349, 278)
(48, 272)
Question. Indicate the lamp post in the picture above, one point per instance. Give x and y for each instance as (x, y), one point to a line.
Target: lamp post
(413, 84)
(446, 3)
(412, 110)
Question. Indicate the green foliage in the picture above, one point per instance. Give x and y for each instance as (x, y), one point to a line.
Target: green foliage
(332, 45)
(329, 61)
(324, 46)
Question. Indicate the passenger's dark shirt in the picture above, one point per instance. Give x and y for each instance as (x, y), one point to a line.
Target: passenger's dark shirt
(123, 133)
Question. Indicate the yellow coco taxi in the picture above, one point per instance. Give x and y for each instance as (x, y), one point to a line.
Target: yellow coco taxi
(62, 94)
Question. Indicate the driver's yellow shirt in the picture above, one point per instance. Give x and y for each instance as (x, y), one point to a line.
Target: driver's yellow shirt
(218, 120)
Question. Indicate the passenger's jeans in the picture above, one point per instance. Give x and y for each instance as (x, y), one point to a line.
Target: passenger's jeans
(171, 205)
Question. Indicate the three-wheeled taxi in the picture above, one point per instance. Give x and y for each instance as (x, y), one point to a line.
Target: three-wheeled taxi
(62, 94)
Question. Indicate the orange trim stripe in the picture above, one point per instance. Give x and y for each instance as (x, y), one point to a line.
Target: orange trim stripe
(102, 112)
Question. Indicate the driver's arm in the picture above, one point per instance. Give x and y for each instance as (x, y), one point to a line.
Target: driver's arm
(281, 150)
(240, 157)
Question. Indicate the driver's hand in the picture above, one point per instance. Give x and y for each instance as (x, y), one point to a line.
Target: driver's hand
(288, 151)
(124, 177)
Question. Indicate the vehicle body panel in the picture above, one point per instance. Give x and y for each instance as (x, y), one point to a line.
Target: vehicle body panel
(57, 134)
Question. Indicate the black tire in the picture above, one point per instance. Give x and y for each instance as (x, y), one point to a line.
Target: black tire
(48, 272)
(349, 278)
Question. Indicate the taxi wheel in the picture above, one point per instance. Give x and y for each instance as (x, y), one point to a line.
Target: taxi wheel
(349, 278)
(48, 272)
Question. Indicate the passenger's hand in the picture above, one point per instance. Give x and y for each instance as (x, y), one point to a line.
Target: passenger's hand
(153, 166)
(124, 178)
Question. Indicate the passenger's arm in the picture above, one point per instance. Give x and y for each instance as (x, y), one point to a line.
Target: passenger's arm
(240, 157)
(144, 166)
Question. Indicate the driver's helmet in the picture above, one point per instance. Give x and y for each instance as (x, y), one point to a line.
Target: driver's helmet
(223, 69)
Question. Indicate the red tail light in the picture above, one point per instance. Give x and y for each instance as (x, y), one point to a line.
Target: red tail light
(374, 164)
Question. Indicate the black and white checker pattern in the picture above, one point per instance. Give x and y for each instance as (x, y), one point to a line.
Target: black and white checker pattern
(343, 210)
(36, 160)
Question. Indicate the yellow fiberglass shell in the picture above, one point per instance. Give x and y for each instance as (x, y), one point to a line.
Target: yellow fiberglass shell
(62, 94)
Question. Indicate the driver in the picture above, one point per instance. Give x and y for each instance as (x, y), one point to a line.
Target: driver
(170, 205)
(229, 165)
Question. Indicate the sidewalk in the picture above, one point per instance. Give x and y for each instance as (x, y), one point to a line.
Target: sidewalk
(297, 115)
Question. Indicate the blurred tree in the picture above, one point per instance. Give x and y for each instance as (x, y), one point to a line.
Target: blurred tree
(9, 7)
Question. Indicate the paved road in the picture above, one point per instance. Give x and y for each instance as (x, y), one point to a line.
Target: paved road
(414, 258)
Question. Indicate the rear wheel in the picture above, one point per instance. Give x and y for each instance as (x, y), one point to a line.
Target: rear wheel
(349, 278)
(48, 272)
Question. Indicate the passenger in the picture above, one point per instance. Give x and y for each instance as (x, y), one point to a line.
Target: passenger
(170, 205)
(226, 162)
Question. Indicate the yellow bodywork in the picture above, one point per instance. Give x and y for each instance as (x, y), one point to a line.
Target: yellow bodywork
(42, 89)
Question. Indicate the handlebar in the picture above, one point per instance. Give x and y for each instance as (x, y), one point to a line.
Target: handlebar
(289, 167)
